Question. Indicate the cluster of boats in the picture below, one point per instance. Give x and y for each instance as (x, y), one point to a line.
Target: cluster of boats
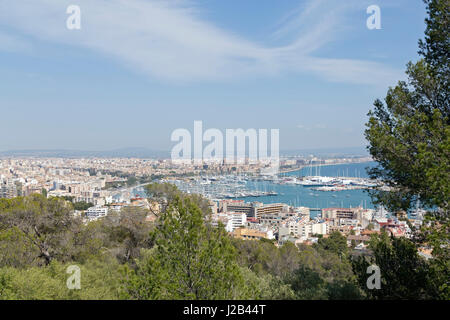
(240, 186)
(223, 187)
(320, 183)
(246, 194)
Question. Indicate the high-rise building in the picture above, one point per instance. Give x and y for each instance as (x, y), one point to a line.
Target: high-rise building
(93, 213)
(8, 189)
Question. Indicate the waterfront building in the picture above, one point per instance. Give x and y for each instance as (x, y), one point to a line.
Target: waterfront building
(271, 208)
(302, 211)
(342, 213)
(254, 209)
(237, 206)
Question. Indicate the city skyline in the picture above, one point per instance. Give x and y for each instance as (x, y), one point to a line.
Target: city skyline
(309, 68)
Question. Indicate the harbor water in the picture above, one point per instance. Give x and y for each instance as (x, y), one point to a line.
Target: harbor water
(298, 195)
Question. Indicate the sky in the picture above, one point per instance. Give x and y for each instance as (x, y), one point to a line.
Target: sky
(139, 69)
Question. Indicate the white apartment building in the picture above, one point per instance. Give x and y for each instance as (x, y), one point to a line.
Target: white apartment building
(237, 219)
(303, 228)
(302, 211)
(320, 228)
(299, 227)
(348, 222)
(93, 213)
(231, 220)
(8, 189)
(224, 219)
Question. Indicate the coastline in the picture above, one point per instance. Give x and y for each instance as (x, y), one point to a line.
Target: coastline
(322, 165)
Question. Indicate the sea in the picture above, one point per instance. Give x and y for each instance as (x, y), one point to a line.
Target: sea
(298, 195)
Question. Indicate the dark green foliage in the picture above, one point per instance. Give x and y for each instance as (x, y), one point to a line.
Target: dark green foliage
(189, 260)
(335, 243)
(181, 256)
(404, 274)
(99, 280)
(127, 232)
(409, 137)
(307, 284)
(16, 249)
(310, 272)
(165, 193)
(435, 49)
(265, 286)
(409, 134)
(46, 225)
(344, 290)
(81, 206)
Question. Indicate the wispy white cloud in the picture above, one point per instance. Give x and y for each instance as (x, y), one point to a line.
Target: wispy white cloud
(311, 25)
(170, 40)
(10, 43)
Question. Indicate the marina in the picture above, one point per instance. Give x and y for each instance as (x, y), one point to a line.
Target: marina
(294, 188)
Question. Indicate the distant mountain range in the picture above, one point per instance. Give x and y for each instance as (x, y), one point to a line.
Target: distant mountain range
(62, 153)
(327, 152)
(159, 154)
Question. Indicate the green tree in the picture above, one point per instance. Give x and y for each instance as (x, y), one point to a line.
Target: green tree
(163, 194)
(190, 260)
(308, 284)
(16, 249)
(266, 286)
(127, 233)
(409, 137)
(335, 243)
(404, 274)
(82, 205)
(47, 225)
(409, 134)
(256, 255)
(286, 261)
(435, 48)
(344, 290)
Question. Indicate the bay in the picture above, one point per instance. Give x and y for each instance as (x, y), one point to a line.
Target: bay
(298, 195)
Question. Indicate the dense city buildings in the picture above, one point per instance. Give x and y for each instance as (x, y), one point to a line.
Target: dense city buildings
(99, 187)
(282, 222)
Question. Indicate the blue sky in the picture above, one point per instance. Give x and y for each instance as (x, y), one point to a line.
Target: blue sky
(139, 69)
